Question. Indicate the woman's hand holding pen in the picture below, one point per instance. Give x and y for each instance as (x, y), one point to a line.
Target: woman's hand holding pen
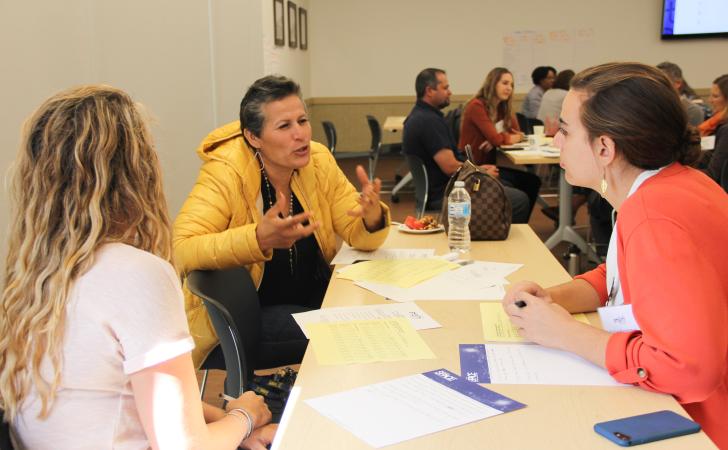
(369, 209)
(537, 318)
(277, 229)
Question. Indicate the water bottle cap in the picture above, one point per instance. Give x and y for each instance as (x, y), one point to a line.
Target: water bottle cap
(459, 184)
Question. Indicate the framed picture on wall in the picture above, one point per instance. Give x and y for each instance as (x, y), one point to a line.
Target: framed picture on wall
(292, 25)
(302, 29)
(279, 29)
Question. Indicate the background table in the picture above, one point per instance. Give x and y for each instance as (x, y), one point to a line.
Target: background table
(565, 230)
(557, 417)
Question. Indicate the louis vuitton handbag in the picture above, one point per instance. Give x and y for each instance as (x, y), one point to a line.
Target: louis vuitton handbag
(490, 218)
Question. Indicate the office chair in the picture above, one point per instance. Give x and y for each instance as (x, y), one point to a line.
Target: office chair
(330, 132)
(453, 118)
(232, 302)
(419, 176)
(378, 150)
(724, 176)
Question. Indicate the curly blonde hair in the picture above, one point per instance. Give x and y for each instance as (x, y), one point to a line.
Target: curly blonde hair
(86, 174)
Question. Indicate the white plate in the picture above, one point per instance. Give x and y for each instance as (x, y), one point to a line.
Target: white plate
(405, 229)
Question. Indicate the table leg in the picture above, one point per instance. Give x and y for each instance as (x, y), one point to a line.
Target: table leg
(565, 230)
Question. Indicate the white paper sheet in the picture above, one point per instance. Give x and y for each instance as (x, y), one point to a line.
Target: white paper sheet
(534, 364)
(401, 409)
(286, 417)
(481, 280)
(348, 255)
(420, 320)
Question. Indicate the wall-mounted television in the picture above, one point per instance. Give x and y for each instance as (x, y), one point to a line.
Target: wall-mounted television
(694, 18)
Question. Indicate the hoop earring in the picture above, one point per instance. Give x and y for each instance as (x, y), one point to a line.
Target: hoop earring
(259, 157)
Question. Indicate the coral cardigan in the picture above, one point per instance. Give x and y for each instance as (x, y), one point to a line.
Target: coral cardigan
(477, 127)
(672, 243)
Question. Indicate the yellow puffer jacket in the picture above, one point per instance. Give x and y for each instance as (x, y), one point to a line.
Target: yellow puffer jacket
(216, 227)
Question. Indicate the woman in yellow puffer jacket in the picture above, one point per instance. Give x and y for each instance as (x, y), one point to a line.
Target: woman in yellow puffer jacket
(270, 199)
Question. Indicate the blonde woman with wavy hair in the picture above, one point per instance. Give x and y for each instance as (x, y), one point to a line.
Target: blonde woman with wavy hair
(94, 344)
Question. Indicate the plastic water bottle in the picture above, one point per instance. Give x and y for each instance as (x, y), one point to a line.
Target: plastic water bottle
(458, 216)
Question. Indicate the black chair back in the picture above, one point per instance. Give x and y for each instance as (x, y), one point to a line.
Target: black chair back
(419, 176)
(376, 146)
(5, 442)
(330, 132)
(724, 176)
(453, 119)
(232, 303)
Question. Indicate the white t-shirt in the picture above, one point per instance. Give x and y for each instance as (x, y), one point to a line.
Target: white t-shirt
(124, 315)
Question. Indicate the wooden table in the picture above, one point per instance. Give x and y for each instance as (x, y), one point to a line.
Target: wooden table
(394, 124)
(557, 417)
(565, 231)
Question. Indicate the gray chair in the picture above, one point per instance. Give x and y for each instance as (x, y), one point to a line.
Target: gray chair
(419, 176)
(332, 140)
(330, 132)
(231, 300)
(379, 150)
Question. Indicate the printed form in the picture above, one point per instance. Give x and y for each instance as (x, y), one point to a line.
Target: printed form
(348, 255)
(476, 280)
(420, 320)
(406, 408)
(497, 326)
(365, 341)
(403, 273)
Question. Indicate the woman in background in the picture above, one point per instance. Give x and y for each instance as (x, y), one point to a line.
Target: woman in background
(488, 122)
(551, 102)
(94, 345)
(625, 134)
(719, 101)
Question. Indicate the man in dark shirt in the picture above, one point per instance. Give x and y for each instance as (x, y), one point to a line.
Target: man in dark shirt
(427, 136)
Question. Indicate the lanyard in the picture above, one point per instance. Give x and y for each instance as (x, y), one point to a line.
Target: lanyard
(614, 288)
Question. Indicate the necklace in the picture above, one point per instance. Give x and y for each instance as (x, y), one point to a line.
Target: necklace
(292, 249)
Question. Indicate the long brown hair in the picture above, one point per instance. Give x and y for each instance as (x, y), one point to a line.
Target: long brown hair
(493, 105)
(722, 83)
(637, 106)
(86, 174)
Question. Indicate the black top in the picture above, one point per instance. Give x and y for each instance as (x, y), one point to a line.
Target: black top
(307, 284)
(426, 133)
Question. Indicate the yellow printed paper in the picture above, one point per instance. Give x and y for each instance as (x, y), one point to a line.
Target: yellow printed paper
(403, 273)
(497, 326)
(364, 341)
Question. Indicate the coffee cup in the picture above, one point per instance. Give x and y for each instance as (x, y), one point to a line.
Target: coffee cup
(538, 130)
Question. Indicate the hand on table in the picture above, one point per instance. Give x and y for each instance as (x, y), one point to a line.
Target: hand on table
(261, 438)
(540, 321)
(277, 229)
(514, 138)
(369, 208)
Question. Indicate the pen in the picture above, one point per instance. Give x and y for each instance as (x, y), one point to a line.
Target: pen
(521, 304)
(227, 397)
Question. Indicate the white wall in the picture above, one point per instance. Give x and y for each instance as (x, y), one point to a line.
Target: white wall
(376, 47)
(188, 62)
(285, 60)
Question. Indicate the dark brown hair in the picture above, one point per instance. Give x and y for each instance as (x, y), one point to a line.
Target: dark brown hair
(636, 105)
(722, 83)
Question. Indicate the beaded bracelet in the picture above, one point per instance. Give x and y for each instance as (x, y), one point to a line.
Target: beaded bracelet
(251, 425)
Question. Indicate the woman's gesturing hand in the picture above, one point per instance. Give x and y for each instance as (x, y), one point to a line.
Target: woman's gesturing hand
(369, 208)
(277, 229)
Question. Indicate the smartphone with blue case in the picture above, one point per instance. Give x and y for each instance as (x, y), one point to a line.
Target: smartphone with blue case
(645, 428)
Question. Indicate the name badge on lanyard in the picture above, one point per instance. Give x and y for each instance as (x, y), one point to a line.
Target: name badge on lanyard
(617, 318)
